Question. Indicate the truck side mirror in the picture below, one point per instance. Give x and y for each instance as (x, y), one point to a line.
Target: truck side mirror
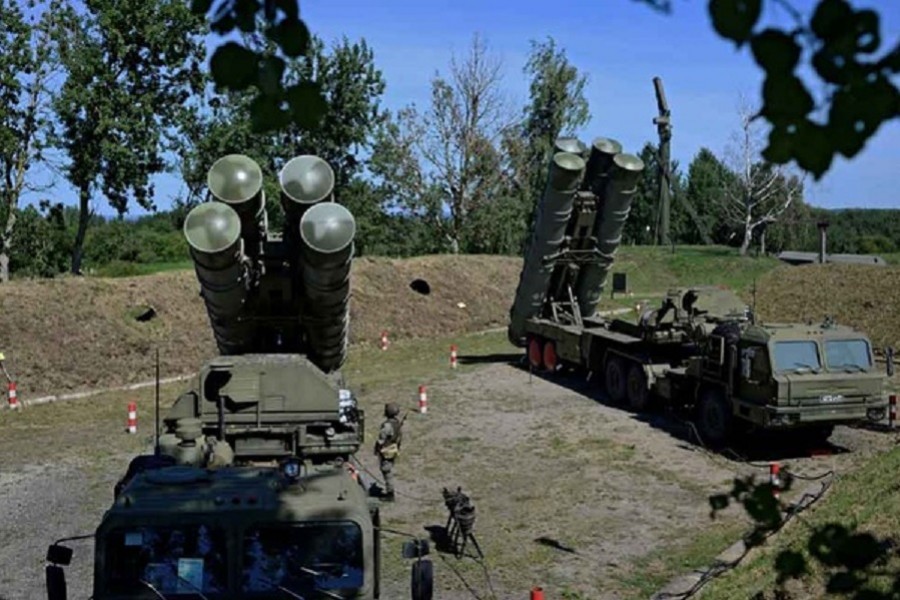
(56, 583)
(59, 555)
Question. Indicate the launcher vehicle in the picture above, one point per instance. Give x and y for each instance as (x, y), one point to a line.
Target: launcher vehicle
(250, 492)
(734, 372)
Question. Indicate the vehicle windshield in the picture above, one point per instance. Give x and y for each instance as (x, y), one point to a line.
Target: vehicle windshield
(794, 355)
(304, 558)
(842, 354)
(177, 562)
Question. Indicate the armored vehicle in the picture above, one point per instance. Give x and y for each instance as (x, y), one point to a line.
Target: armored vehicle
(702, 348)
(250, 491)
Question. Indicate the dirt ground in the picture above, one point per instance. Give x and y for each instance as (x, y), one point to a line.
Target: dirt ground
(571, 494)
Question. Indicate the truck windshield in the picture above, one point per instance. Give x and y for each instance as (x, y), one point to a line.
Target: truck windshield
(304, 558)
(793, 355)
(178, 562)
(842, 354)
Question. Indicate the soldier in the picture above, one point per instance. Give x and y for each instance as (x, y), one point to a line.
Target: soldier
(387, 447)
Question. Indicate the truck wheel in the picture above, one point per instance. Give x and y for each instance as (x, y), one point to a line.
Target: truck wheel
(614, 378)
(551, 360)
(535, 354)
(636, 388)
(715, 418)
(422, 580)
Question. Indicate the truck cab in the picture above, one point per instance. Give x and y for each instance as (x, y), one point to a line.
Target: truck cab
(800, 377)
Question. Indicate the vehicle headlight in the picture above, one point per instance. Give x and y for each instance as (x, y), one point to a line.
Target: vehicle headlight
(875, 414)
(291, 468)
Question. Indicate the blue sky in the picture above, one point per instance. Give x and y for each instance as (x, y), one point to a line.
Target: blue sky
(621, 45)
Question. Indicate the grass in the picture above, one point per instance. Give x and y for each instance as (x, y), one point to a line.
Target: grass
(696, 550)
(120, 268)
(866, 500)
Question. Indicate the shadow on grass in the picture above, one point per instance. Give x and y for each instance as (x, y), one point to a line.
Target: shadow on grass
(512, 358)
(678, 423)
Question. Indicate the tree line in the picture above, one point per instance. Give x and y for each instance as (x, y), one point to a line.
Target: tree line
(109, 93)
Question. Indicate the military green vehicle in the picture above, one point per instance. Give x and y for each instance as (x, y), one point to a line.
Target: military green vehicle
(701, 349)
(251, 491)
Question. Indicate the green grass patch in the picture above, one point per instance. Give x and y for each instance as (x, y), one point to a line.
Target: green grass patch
(865, 500)
(119, 268)
(694, 549)
(656, 268)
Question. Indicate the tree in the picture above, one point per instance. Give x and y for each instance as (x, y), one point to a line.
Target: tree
(841, 46)
(557, 107)
(760, 191)
(130, 67)
(26, 64)
(707, 180)
(351, 84)
(446, 160)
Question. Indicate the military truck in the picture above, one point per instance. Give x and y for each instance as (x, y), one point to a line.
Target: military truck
(250, 491)
(719, 361)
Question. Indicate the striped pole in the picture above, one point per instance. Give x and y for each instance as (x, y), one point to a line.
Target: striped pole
(453, 356)
(892, 410)
(537, 593)
(423, 400)
(384, 341)
(132, 417)
(13, 396)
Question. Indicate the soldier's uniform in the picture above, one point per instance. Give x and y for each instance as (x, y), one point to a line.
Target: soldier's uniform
(387, 447)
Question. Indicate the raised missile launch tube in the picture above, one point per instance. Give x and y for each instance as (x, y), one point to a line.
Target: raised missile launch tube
(616, 204)
(550, 223)
(213, 232)
(598, 165)
(237, 181)
(326, 234)
(305, 181)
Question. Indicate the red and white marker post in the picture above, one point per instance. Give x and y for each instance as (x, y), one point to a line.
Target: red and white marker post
(892, 410)
(384, 341)
(537, 593)
(775, 478)
(132, 417)
(13, 396)
(453, 356)
(423, 400)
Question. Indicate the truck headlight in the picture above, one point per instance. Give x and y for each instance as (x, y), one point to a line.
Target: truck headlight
(875, 414)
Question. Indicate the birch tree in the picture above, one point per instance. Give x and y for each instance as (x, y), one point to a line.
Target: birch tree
(443, 164)
(761, 191)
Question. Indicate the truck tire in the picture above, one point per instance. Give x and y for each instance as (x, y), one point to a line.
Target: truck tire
(614, 378)
(535, 353)
(714, 417)
(422, 581)
(636, 388)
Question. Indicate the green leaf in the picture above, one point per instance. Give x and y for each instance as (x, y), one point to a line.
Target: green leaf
(291, 8)
(291, 35)
(790, 564)
(234, 66)
(775, 51)
(785, 98)
(307, 104)
(830, 18)
(270, 72)
(813, 150)
(200, 7)
(266, 113)
(735, 19)
(780, 149)
(868, 37)
(846, 136)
